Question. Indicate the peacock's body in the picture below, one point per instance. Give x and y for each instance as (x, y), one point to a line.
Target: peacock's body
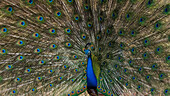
(65, 47)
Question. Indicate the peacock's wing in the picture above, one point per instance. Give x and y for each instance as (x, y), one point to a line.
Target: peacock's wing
(36, 56)
(138, 62)
(96, 66)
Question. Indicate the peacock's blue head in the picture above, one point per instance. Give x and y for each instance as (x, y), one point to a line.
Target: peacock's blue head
(87, 52)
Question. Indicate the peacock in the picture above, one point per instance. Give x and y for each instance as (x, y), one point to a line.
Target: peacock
(84, 47)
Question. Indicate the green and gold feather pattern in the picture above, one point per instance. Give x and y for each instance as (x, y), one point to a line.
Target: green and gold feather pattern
(42, 47)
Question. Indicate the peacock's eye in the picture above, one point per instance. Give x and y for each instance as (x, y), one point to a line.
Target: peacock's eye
(50, 1)
(30, 1)
(86, 7)
(10, 9)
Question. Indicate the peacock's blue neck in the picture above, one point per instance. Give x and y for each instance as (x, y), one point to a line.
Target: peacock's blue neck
(91, 78)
